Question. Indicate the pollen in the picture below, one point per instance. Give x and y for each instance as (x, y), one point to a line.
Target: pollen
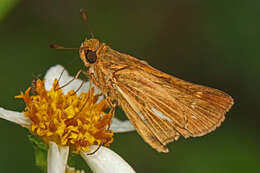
(78, 121)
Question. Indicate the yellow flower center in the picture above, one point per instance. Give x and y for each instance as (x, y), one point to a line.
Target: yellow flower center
(68, 120)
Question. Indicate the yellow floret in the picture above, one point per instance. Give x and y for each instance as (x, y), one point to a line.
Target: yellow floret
(68, 120)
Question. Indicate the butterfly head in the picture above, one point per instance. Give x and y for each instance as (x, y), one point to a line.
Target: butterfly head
(89, 51)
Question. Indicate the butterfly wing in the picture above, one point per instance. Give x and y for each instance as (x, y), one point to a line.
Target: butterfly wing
(163, 107)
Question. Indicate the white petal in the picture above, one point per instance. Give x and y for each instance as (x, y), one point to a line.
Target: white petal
(119, 126)
(57, 158)
(106, 161)
(55, 72)
(16, 117)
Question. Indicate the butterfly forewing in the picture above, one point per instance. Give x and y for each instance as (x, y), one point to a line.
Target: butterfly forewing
(170, 106)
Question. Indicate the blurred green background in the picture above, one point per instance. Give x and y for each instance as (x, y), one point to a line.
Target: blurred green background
(215, 43)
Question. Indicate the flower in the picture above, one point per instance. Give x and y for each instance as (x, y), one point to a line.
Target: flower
(65, 119)
(68, 120)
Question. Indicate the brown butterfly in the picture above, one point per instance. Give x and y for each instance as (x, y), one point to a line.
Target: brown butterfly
(160, 106)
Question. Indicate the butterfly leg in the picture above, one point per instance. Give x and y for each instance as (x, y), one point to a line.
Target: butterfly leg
(82, 83)
(95, 150)
(112, 105)
(112, 109)
(75, 77)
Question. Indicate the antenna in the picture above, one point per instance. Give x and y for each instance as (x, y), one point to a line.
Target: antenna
(85, 17)
(55, 46)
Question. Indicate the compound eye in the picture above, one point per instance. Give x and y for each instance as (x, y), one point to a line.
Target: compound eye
(90, 56)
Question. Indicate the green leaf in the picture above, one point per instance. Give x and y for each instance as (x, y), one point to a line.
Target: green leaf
(41, 151)
(6, 6)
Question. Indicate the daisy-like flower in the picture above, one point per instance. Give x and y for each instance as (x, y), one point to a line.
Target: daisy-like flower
(65, 119)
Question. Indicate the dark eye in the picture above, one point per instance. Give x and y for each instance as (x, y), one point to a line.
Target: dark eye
(91, 56)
